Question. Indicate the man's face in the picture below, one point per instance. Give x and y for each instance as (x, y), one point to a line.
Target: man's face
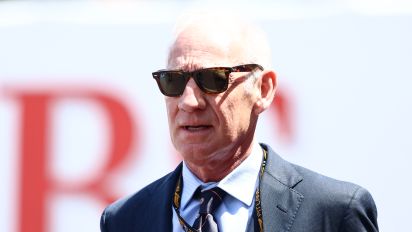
(208, 127)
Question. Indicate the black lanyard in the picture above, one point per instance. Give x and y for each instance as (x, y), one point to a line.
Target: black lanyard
(178, 193)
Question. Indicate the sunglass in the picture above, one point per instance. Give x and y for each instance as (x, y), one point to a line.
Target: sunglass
(172, 83)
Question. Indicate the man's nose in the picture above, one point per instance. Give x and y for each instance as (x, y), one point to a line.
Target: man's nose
(192, 98)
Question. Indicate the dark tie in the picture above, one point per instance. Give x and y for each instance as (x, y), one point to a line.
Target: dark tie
(209, 202)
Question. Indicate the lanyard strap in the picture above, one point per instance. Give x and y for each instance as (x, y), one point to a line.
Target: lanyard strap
(178, 193)
(258, 201)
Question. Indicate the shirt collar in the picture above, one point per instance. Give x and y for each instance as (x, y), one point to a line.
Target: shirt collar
(241, 183)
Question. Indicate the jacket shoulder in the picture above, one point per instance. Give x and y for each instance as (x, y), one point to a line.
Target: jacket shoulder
(139, 209)
(339, 205)
(348, 206)
(324, 186)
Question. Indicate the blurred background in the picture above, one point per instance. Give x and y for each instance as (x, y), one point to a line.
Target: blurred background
(82, 122)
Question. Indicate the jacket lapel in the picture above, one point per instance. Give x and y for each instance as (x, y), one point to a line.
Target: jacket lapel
(163, 218)
(280, 202)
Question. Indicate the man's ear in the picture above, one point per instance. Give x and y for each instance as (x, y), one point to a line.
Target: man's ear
(267, 88)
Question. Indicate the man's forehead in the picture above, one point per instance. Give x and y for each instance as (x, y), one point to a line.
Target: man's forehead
(194, 49)
(196, 60)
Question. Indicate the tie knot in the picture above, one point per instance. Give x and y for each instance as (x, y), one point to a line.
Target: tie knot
(210, 200)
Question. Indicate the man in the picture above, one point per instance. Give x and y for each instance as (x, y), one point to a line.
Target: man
(217, 82)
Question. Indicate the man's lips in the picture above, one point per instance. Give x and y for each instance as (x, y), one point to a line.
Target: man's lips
(194, 128)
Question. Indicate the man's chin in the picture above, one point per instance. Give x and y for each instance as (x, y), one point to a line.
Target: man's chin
(202, 153)
(193, 149)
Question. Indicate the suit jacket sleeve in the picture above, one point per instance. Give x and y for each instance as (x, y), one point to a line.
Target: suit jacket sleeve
(361, 213)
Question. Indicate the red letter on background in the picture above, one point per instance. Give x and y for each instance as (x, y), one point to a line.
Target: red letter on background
(281, 108)
(35, 185)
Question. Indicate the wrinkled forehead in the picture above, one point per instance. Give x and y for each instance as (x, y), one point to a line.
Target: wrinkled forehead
(200, 47)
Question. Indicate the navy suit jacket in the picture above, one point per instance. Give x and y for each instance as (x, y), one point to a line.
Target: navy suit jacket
(293, 199)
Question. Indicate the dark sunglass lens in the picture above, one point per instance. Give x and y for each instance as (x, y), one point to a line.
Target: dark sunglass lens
(212, 80)
(172, 83)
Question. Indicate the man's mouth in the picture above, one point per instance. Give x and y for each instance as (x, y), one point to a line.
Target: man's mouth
(196, 128)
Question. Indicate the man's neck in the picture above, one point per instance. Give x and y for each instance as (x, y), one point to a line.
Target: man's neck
(216, 170)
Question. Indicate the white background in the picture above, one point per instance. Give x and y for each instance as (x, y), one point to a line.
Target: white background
(346, 66)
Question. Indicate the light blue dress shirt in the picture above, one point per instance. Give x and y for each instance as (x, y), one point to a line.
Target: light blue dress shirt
(240, 185)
